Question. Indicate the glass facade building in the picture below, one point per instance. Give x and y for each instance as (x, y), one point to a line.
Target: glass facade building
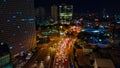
(65, 13)
(17, 24)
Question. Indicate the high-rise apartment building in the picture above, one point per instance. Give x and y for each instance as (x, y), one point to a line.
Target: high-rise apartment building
(65, 13)
(105, 14)
(40, 12)
(54, 12)
(17, 25)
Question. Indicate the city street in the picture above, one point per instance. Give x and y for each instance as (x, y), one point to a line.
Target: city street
(59, 34)
(57, 53)
(64, 57)
(43, 54)
(62, 53)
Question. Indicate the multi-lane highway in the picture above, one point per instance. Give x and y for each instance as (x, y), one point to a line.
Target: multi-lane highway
(55, 54)
(62, 53)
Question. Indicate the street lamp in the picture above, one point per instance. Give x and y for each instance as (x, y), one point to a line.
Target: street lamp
(48, 57)
(61, 28)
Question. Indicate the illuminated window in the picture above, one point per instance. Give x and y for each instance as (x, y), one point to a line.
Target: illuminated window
(13, 16)
(14, 35)
(30, 19)
(23, 19)
(2, 43)
(10, 47)
(19, 12)
(18, 27)
(8, 20)
(26, 32)
(31, 22)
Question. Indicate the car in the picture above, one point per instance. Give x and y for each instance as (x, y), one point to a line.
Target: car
(29, 56)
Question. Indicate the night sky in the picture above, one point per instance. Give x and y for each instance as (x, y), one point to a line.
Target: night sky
(79, 5)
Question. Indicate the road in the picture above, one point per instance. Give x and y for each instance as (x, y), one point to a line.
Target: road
(58, 53)
(62, 53)
(42, 55)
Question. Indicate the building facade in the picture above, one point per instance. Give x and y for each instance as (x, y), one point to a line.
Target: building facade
(54, 12)
(17, 25)
(65, 13)
(4, 54)
(40, 12)
(103, 63)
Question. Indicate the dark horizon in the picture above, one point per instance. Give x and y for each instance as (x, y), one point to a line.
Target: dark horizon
(93, 5)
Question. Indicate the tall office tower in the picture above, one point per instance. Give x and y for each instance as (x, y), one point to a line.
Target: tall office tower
(65, 13)
(40, 16)
(40, 12)
(17, 25)
(105, 14)
(54, 12)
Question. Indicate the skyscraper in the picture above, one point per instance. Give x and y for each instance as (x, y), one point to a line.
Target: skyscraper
(65, 13)
(40, 12)
(54, 12)
(17, 25)
(105, 14)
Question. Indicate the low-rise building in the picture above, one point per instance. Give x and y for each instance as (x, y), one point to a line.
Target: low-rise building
(103, 63)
